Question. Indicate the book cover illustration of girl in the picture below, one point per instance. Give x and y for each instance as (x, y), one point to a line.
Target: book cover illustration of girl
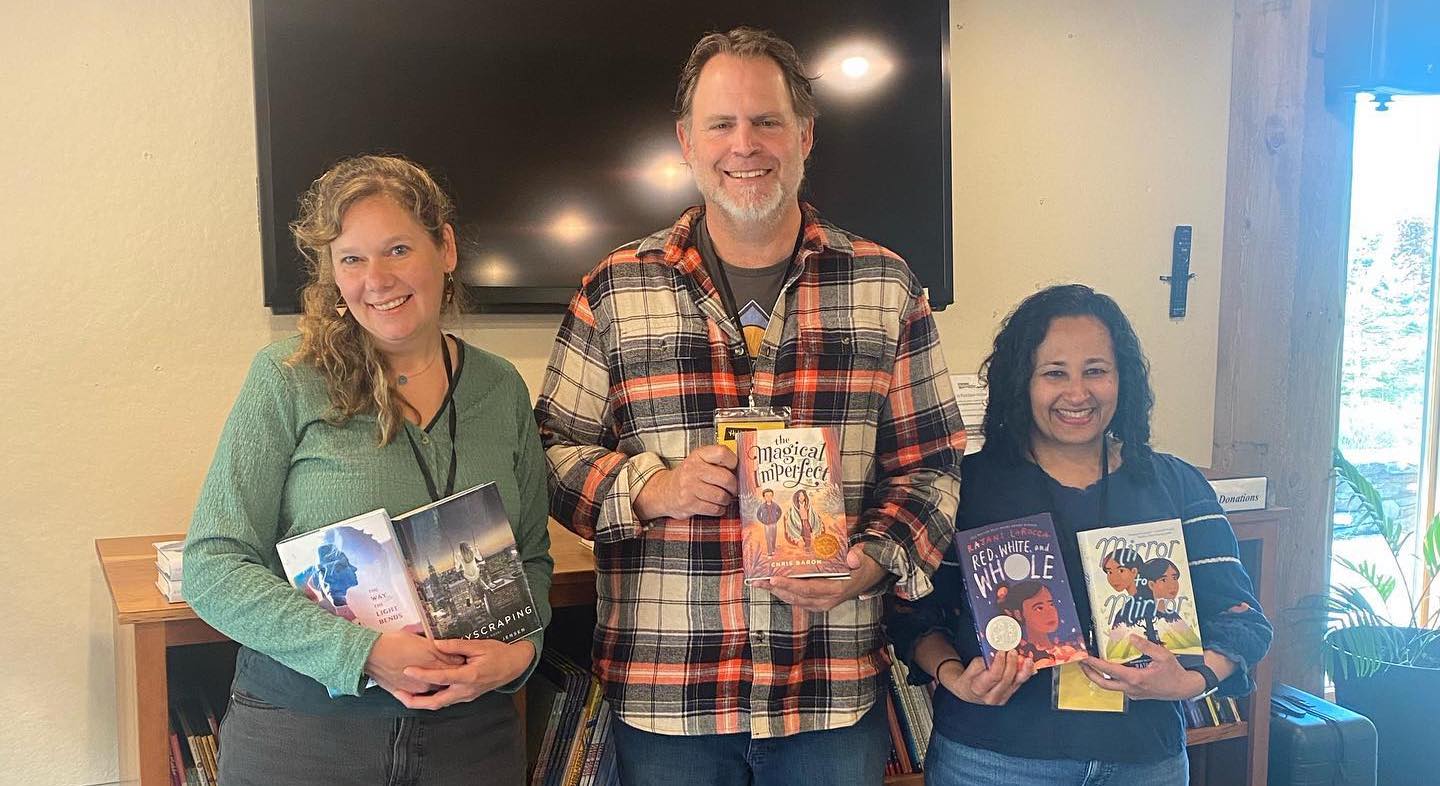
(1031, 604)
(792, 504)
(1019, 592)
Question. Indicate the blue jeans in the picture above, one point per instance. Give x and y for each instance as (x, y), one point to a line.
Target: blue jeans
(950, 763)
(854, 755)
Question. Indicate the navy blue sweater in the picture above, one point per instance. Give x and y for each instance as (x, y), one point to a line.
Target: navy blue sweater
(994, 490)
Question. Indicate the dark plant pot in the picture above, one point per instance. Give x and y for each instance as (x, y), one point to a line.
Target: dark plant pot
(1400, 700)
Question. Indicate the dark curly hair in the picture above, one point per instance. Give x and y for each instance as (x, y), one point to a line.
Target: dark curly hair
(1008, 369)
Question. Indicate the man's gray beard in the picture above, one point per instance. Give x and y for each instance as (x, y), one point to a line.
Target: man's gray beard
(764, 212)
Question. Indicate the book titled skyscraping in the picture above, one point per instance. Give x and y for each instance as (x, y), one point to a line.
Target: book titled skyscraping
(466, 569)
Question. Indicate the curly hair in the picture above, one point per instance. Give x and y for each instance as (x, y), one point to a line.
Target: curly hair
(1011, 364)
(336, 345)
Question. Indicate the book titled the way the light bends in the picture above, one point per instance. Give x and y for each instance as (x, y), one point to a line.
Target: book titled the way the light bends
(1138, 579)
(792, 504)
(1019, 591)
(446, 570)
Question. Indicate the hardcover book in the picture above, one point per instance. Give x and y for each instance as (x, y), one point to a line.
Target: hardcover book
(447, 570)
(1019, 591)
(462, 559)
(354, 569)
(1138, 579)
(170, 558)
(792, 503)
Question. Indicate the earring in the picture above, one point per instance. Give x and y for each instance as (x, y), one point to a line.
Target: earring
(449, 289)
(340, 308)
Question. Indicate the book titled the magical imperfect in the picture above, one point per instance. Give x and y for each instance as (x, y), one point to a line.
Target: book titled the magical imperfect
(792, 504)
(448, 570)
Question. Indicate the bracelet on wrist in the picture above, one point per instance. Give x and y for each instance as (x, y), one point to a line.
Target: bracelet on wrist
(941, 665)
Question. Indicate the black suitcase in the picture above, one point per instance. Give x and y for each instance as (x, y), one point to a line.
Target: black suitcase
(1316, 743)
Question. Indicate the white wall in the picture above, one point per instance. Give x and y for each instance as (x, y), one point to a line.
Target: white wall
(1083, 132)
(133, 281)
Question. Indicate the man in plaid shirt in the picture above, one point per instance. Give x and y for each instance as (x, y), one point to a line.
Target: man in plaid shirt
(752, 299)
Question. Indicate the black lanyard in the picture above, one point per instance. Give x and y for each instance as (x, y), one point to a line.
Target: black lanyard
(1104, 498)
(435, 496)
(744, 364)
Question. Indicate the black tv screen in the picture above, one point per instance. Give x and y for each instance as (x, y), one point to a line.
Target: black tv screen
(551, 124)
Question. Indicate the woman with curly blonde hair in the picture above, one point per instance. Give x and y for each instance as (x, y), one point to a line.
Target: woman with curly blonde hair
(371, 406)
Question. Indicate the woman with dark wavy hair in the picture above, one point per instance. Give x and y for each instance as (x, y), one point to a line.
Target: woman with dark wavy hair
(1067, 432)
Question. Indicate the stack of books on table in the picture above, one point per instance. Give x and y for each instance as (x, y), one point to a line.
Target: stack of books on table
(168, 561)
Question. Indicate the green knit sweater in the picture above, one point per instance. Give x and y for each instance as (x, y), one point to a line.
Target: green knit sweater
(280, 470)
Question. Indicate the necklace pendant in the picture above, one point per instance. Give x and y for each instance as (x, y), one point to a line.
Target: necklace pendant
(402, 379)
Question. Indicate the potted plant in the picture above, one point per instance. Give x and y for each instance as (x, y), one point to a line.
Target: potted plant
(1386, 663)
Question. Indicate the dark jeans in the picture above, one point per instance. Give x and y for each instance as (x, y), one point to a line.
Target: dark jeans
(950, 763)
(852, 756)
(262, 745)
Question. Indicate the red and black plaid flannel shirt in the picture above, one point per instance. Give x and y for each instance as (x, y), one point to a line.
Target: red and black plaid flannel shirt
(644, 357)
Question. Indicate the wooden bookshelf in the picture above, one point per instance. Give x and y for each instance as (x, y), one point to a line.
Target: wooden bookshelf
(147, 627)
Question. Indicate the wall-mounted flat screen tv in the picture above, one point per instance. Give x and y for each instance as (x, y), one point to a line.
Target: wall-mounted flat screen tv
(551, 123)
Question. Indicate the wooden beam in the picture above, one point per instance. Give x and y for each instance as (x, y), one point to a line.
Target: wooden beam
(1282, 295)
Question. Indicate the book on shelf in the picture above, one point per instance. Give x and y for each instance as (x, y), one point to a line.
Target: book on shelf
(1138, 580)
(1238, 492)
(792, 503)
(1210, 711)
(446, 570)
(1019, 592)
(195, 736)
(575, 749)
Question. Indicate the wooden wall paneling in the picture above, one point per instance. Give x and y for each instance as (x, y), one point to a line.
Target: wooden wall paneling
(1282, 294)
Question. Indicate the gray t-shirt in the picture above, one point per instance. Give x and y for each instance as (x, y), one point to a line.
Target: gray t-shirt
(749, 293)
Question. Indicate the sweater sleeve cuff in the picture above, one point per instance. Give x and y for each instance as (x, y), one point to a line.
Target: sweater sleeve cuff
(538, 640)
(348, 678)
(1239, 682)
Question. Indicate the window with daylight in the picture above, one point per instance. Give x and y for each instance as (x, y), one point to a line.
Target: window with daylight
(1389, 403)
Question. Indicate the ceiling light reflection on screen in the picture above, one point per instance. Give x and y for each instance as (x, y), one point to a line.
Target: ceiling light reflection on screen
(489, 269)
(571, 226)
(658, 176)
(855, 68)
